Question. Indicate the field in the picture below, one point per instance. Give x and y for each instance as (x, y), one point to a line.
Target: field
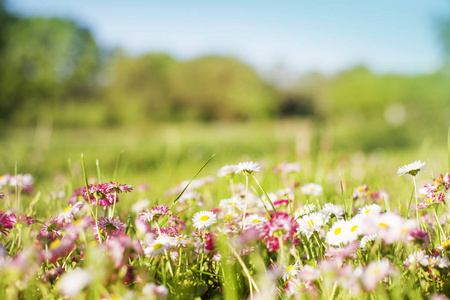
(334, 224)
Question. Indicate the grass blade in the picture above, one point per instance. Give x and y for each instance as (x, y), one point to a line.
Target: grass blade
(182, 192)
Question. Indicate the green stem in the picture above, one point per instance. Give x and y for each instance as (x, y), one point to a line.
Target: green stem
(246, 201)
(89, 197)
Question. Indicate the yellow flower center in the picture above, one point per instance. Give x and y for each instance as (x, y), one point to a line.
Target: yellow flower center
(255, 221)
(157, 246)
(383, 225)
(360, 190)
(289, 268)
(337, 231)
(354, 228)
(55, 244)
(67, 208)
(367, 211)
(227, 216)
(204, 218)
(310, 223)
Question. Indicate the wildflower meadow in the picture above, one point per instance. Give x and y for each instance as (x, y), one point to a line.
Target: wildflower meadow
(225, 235)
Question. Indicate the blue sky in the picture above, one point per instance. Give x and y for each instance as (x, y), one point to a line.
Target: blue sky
(301, 36)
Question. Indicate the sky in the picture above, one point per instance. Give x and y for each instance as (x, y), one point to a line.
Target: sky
(388, 36)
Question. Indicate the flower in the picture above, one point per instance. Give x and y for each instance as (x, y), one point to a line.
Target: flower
(310, 223)
(412, 168)
(311, 189)
(154, 213)
(74, 281)
(338, 233)
(158, 245)
(291, 271)
(111, 226)
(204, 219)
(329, 209)
(227, 171)
(286, 167)
(232, 203)
(6, 222)
(254, 221)
(247, 168)
(375, 272)
(366, 239)
(305, 209)
(51, 229)
(370, 209)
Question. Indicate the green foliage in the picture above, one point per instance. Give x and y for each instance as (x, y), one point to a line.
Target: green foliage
(43, 62)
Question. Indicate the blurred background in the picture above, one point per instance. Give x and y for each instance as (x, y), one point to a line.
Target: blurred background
(169, 84)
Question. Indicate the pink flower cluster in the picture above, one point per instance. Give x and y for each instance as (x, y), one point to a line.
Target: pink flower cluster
(435, 193)
(281, 227)
(103, 194)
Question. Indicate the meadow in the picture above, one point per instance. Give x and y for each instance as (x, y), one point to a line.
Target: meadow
(219, 211)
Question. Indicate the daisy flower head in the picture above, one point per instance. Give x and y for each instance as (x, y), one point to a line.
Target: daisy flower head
(312, 189)
(291, 271)
(227, 171)
(286, 167)
(305, 209)
(254, 221)
(204, 219)
(247, 168)
(329, 209)
(338, 233)
(232, 203)
(111, 226)
(310, 223)
(412, 168)
(370, 209)
(158, 245)
(6, 222)
(367, 239)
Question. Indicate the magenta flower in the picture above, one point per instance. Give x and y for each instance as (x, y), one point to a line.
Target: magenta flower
(51, 229)
(115, 187)
(281, 226)
(113, 227)
(6, 222)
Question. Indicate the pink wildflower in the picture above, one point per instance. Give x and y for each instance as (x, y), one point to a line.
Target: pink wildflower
(51, 229)
(6, 222)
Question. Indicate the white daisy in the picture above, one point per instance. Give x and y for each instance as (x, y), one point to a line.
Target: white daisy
(329, 209)
(370, 209)
(232, 203)
(254, 221)
(291, 271)
(311, 189)
(227, 171)
(204, 219)
(310, 223)
(158, 245)
(412, 168)
(416, 258)
(229, 215)
(247, 168)
(366, 239)
(338, 233)
(303, 210)
(354, 228)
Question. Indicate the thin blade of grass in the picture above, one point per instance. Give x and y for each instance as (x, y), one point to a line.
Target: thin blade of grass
(187, 185)
(99, 174)
(117, 166)
(448, 145)
(267, 196)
